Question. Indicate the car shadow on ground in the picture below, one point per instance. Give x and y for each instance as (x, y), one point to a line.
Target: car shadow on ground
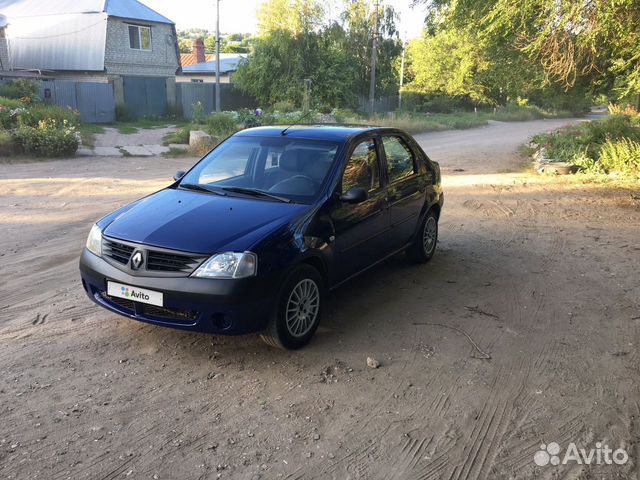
(389, 297)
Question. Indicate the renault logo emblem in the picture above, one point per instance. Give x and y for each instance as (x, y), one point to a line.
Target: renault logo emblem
(137, 260)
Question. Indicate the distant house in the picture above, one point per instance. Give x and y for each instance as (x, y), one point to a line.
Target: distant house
(197, 54)
(123, 42)
(205, 72)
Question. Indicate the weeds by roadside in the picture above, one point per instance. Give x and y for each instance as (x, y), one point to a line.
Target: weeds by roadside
(597, 147)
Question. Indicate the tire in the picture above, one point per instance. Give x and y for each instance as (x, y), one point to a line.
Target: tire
(426, 239)
(294, 331)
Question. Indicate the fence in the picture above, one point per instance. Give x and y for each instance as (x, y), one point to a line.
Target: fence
(95, 101)
(143, 97)
(380, 105)
(230, 99)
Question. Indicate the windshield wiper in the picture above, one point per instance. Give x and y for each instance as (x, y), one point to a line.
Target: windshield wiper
(202, 188)
(256, 193)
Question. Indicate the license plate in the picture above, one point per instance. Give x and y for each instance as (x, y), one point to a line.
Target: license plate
(136, 294)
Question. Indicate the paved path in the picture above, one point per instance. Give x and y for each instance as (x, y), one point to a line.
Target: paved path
(146, 142)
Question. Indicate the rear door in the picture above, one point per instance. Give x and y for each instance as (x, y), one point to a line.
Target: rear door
(406, 189)
(361, 229)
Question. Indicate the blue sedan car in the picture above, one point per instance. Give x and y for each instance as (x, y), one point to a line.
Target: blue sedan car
(254, 235)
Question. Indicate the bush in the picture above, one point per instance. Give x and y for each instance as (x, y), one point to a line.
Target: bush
(48, 139)
(179, 136)
(20, 89)
(599, 146)
(7, 145)
(9, 112)
(248, 119)
(433, 103)
(35, 114)
(284, 106)
(621, 155)
(221, 125)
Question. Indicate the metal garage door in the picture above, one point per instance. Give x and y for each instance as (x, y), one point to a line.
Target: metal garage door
(145, 96)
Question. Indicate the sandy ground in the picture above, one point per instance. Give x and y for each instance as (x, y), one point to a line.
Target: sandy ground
(541, 273)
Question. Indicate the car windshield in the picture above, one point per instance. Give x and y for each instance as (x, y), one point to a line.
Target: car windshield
(266, 168)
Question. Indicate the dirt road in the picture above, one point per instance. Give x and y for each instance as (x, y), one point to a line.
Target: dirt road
(542, 274)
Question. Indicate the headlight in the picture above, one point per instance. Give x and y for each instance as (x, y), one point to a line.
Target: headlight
(94, 241)
(228, 265)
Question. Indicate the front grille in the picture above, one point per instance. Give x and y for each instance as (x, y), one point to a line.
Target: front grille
(122, 302)
(143, 309)
(171, 262)
(170, 313)
(119, 252)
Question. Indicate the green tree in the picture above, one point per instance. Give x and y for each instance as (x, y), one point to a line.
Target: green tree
(298, 42)
(359, 24)
(594, 43)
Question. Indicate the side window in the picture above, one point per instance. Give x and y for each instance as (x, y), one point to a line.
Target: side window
(399, 158)
(362, 168)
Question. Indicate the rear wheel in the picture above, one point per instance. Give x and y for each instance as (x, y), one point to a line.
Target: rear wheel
(298, 311)
(424, 243)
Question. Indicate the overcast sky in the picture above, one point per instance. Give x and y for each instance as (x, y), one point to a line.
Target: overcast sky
(240, 15)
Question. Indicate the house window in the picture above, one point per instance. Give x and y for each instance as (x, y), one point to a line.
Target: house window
(197, 80)
(139, 37)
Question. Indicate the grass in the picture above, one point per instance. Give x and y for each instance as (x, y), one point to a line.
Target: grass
(127, 129)
(177, 153)
(181, 135)
(87, 132)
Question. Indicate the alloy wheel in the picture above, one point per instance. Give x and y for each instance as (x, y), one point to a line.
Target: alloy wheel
(302, 307)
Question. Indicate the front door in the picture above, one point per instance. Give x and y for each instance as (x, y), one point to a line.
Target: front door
(361, 229)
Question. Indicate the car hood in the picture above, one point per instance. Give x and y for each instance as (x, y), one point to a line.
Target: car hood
(200, 222)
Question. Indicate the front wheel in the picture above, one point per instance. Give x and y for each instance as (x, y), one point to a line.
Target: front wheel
(424, 243)
(297, 314)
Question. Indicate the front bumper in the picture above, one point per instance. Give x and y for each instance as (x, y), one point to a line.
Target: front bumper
(217, 306)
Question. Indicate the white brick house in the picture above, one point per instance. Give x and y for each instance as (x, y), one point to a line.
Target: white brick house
(117, 41)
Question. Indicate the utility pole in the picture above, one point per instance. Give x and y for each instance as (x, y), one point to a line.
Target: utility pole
(217, 55)
(404, 49)
(374, 58)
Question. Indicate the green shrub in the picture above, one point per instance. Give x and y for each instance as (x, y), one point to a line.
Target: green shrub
(434, 103)
(35, 114)
(248, 119)
(48, 139)
(179, 136)
(9, 112)
(7, 145)
(221, 125)
(284, 106)
(598, 146)
(621, 155)
(343, 115)
(20, 89)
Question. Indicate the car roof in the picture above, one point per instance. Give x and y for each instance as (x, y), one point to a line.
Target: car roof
(315, 132)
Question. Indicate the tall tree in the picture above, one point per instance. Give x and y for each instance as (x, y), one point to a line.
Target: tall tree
(575, 41)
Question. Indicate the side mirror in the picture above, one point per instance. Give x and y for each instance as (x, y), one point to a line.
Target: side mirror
(179, 174)
(354, 195)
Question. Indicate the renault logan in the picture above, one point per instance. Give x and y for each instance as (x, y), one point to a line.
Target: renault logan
(254, 235)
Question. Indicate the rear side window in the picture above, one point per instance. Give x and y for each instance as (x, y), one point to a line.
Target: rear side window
(362, 168)
(400, 161)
